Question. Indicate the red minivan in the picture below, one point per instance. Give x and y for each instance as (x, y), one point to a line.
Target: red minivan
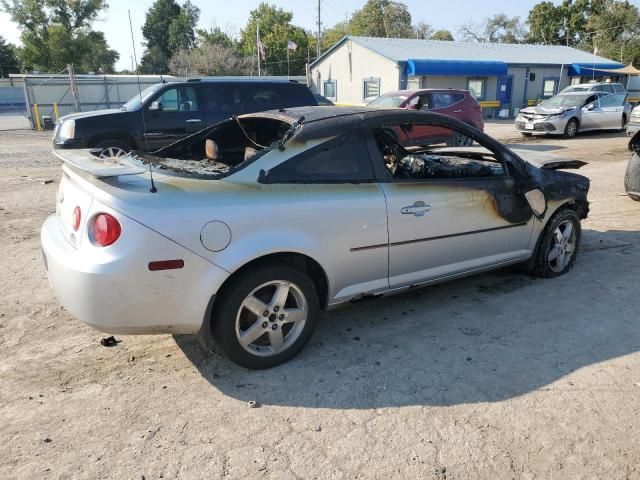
(459, 104)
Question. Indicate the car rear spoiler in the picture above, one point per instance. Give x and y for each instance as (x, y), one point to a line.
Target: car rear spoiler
(86, 160)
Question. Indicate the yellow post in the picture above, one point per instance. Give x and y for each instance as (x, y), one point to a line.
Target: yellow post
(36, 112)
(56, 111)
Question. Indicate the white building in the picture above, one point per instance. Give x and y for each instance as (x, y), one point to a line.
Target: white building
(502, 76)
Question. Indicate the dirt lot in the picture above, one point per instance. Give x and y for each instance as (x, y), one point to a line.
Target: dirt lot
(496, 376)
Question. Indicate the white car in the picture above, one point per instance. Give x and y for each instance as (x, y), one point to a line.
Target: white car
(249, 228)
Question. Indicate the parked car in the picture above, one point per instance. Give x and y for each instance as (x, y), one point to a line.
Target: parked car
(634, 122)
(172, 110)
(606, 87)
(632, 175)
(569, 113)
(459, 104)
(323, 101)
(249, 228)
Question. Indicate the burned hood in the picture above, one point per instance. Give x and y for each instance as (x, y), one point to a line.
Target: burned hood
(541, 110)
(548, 161)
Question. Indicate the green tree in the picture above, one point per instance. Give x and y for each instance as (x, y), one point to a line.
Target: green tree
(9, 62)
(422, 30)
(332, 35)
(58, 32)
(275, 31)
(496, 29)
(155, 31)
(445, 35)
(214, 36)
(182, 31)
(382, 18)
(615, 30)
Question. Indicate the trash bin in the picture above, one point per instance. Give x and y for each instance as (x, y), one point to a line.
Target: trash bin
(47, 122)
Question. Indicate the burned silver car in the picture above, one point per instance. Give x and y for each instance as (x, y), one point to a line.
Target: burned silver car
(632, 175)
(251, 227)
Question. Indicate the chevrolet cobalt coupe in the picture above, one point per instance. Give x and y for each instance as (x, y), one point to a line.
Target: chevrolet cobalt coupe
(243, 232)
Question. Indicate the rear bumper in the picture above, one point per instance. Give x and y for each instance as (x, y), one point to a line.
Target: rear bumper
(115, 292)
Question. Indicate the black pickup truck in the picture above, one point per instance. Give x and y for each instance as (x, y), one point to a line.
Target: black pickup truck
(170, 111)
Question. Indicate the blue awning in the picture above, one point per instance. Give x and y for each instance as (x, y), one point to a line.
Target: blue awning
(466, 68)
(588, 69)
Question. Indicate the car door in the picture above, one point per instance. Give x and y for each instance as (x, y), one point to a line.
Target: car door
(592, 116)
(328, 195)
(612, 108)
(173, 114)
(448, 223)
(221, 101)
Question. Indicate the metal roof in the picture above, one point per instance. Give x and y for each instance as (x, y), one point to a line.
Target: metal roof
(403, 49)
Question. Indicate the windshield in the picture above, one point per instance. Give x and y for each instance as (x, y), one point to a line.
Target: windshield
(134, 102)
(577, 89)
(564, 101)
(388, 101)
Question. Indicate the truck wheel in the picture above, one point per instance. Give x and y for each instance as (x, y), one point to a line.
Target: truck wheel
(112, 148)
(558, 245)
(265, 316)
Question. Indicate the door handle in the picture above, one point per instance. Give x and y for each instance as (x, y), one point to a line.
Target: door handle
(194, 120)
(418, 209)
(457, 111)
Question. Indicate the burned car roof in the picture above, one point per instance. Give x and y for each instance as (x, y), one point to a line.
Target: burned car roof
(320, 122)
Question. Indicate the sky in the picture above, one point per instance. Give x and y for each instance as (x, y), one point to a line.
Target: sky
(114, 21)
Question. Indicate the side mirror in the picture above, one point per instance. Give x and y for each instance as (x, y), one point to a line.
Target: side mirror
(590, 107)
(537, 202)
(155, 106)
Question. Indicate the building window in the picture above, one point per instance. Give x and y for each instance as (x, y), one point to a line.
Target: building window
(549, 87)
(477, 87)
(330, 90)
(413, 83)
(370, 88)
(576, 81)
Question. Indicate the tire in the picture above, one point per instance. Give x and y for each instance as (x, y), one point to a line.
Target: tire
(551, 256)
(113, 148)
(248, 306)
(460, 140)
(571, 129)
(623, 123)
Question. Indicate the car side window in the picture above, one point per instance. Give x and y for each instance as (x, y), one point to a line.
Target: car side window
(432, 162)
(180, 99)
(612, 100)
(445, 99)
(591, 100)
(341, 160)
(222, 98)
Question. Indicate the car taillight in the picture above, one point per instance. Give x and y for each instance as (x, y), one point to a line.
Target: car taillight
(75, 220)
(104, 230)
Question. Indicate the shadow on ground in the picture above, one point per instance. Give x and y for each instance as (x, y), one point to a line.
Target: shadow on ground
(482, 339)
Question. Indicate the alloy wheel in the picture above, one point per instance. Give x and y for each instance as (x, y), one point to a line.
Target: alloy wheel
(271, 318)
(572, 129)
(112, 152)
(562, 247)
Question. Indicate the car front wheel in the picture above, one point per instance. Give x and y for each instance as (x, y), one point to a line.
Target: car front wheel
(265, 316)
(113, 148)
(571, 130)
(558, 245)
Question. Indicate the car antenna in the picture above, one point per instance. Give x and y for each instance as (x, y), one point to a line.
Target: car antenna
(153, 188)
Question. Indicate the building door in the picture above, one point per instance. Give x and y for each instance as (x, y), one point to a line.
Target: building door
(504, 92)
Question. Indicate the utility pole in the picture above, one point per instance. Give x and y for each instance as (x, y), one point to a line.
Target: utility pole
(74, 86)
(319, 31)
(258, 45)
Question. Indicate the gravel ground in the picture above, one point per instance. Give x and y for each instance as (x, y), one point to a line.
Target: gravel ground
(498, 376)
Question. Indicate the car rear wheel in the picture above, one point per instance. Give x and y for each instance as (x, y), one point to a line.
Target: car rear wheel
(265, 316)
(460, 140)
(113, 148)
(571, 129)
(558, 245)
